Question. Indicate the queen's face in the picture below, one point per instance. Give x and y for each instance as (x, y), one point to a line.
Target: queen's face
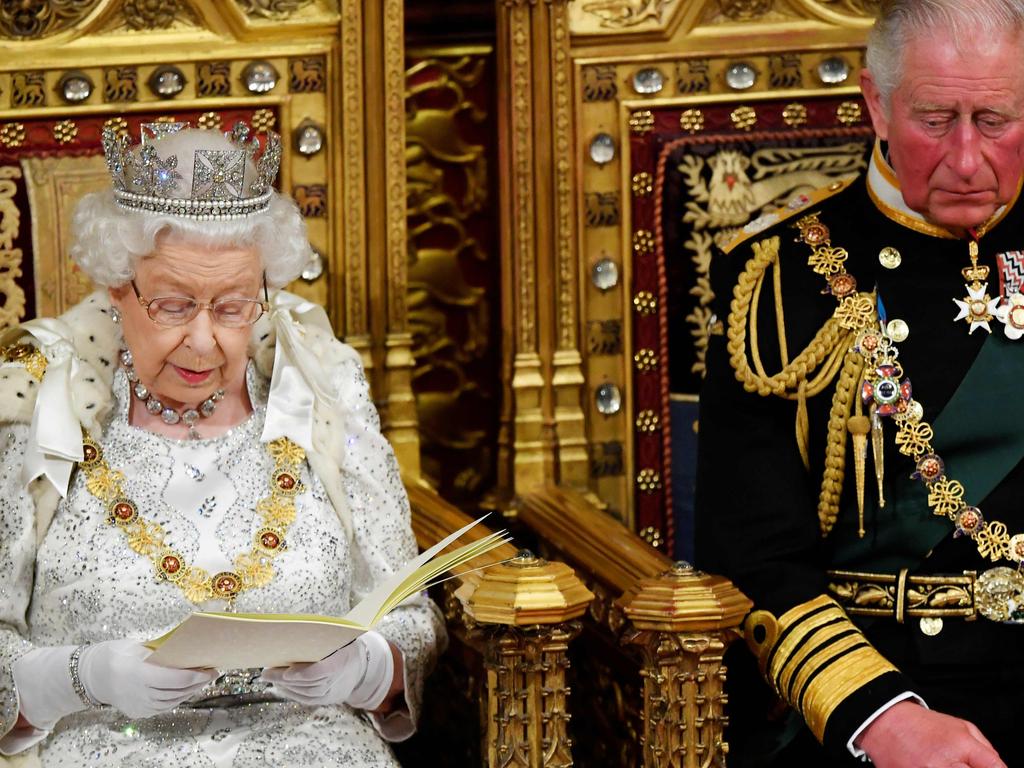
(183, 365)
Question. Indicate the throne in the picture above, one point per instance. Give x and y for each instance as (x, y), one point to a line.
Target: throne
(635, 136)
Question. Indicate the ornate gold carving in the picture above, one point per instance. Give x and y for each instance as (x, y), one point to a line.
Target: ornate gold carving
(447, 311)
(602, 209)
(55, 185)
(648, 480)
(643, 184)
(120, 84)
(745, 10)
(876, 594)
(307, 75)
(625, 14)
(213, 78)
(150, 14)
(272, 9)
(744, 118)
(641, 121)
(794, 115)
(13, 308)
(784, 71)
(848, 113)
(312, 200)
(30, 19)
(65, 131)
(12, 135)
(693, 76)
(692, 120)
(604, 337)
(28, 89)
(606, 459)
(646, 360)
(648, 421)
(352, 295)
(683, 621)
(209, 120)
(599, 83)
(263, 120)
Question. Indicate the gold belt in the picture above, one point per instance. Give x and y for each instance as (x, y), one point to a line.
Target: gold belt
(996, 594)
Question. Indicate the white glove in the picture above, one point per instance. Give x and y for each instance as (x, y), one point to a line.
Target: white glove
(113, 672)
(359, 675)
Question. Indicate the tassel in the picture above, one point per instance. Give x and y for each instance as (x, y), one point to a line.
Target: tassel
(802, 426)
(878, 453)
(859, 426)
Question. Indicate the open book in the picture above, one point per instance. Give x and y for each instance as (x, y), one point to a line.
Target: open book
(248, 640)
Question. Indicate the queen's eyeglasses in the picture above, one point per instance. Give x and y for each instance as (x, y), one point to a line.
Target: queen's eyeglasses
(230, 313)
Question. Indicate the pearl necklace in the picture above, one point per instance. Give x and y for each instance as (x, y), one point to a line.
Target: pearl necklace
(169, 415)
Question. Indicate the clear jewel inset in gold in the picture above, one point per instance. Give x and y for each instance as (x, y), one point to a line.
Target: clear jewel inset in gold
(251, 569)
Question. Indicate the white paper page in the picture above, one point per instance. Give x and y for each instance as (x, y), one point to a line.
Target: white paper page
(232, 643)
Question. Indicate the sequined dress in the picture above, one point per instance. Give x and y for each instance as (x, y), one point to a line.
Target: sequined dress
(84, 584)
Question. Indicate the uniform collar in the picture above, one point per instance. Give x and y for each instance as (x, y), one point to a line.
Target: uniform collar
(884, 191)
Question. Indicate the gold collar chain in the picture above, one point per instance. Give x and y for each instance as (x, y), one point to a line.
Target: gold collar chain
(889, 394)
(251, 569)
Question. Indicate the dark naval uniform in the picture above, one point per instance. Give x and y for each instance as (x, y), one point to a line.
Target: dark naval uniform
(846, 623)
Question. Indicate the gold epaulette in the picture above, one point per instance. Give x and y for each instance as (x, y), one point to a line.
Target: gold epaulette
(32, 358)
(814, 657)
(802, 203)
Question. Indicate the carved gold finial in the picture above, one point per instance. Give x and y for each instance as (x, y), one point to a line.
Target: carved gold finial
(527, 591)
(683, 599)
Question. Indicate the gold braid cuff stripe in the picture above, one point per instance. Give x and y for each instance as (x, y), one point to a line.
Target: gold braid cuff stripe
(814, 657)
(883, 376)
(251, 569)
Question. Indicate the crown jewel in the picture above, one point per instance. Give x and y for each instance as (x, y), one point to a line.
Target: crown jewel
(146, 181)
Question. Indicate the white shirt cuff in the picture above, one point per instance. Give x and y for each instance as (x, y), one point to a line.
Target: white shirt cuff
(856, 751)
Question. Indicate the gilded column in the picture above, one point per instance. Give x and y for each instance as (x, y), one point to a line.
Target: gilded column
(683, 621)
(543, 431)
(524, 614)
(386, 187)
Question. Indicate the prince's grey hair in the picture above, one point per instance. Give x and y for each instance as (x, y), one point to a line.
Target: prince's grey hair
(966, 21)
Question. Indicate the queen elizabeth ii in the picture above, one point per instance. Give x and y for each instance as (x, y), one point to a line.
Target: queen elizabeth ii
(191, 437)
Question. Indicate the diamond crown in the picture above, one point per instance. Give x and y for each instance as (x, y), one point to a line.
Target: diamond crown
(145, 180)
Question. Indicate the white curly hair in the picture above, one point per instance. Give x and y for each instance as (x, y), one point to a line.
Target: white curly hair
(108, 240)
(966, 21)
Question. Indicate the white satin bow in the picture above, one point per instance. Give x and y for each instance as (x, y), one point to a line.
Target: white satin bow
(298, 381)
(55, 437)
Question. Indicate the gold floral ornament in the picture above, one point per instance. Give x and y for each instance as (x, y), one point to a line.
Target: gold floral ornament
(263, 120)
(647, 421)
(993, 541)
(692, 121)
(652, 536)
(849, 113)
(946, 497)
(855, 312)
(643, 184)
(643, 242)
(648, 480)
(646, 303)
(65, 131)
(794, 115)
(914, 438)
(117, 124)
(646, 360)
(210, 121)
(641, 121)
(12, 135)
(252, 569)
(744, 118)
